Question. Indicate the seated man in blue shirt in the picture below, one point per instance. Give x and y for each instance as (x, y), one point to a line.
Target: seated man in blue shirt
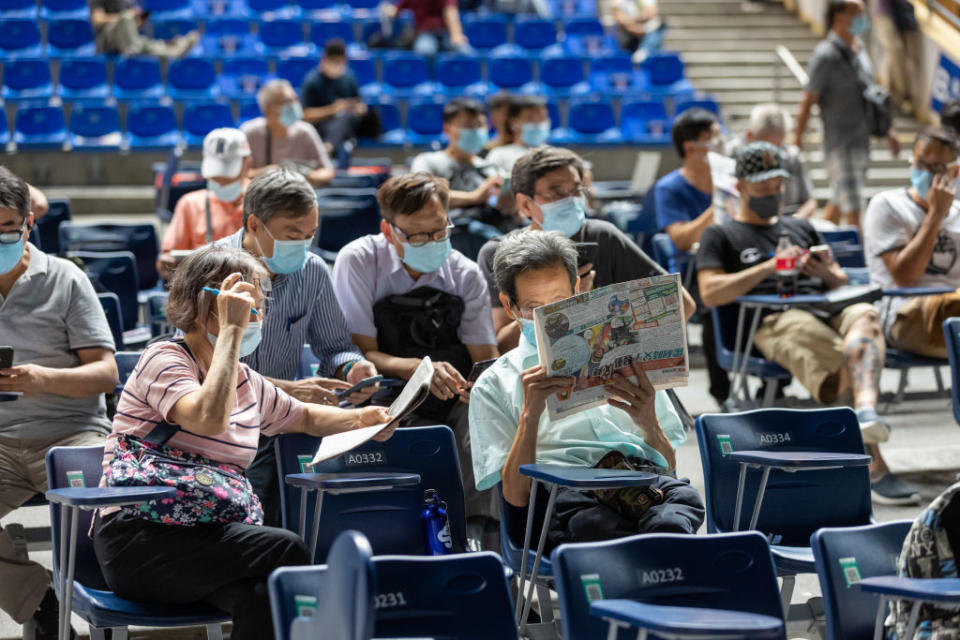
(509, 427)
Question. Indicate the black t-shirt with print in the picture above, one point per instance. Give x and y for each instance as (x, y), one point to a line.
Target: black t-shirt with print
(734, 246)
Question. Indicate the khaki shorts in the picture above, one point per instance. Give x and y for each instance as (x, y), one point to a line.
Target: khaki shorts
(918, 327)
(809, 348)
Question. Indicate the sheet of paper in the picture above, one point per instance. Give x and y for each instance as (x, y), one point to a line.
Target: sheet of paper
(339, 443)
(422, 376)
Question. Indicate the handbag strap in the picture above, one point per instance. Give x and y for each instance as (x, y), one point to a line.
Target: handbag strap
(161, 433)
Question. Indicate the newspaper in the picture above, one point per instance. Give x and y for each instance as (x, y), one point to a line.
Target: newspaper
(726, 194)
(593, 335)
(414, 393)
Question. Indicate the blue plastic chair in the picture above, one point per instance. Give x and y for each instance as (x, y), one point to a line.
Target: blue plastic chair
(951, 334)
(170, 28)
(295, 70)
(39, 127)
(151, 126)
(485, 32)
(95, 128)
(561, 73)
(27, 79)
(49, 225)
(156, 305)
(169, 9)
(70, 37)
(508, 68)
(283, 37)
(663, 68)
(192, 79)
(117, 272)
(229, 36)
(725, 333)
(126, 363)
(138, 239)
(110, 303)
(701, 102)
(404, 70)
(241, 78)
(201, 118)
(54, 9)
(18, 9)
(843, 557)
(425, 122)
(73, 476)
(533, 33)
(583, 26)
(249, 109)
(784, 504)
(342, 221)
(83, 79)
(20, 37)
(137, 78)
(846, 246)
(321, 31)
(611, 63)
(391, 124)
(644, 121)
(391, 519)
(592, 121)
(674, 586)
(455, 71)
(364, 68)
(455, 597)
(274, 8)
(321, 6)
(337, 600)
(4, 130)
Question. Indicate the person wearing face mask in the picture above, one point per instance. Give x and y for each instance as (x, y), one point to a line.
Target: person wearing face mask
(837, 69)
(831, 357)
(407, 294)
(509, 426)
(279, 222)
(529, 122)
(281, 137)
(474, 182)
(548, 184)
(912, 239)
(62, 364)
(203, 216)
(193, 402)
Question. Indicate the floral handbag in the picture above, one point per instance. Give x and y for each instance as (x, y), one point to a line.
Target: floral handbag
(207, 492)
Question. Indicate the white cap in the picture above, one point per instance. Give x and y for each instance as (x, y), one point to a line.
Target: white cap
(223, 153)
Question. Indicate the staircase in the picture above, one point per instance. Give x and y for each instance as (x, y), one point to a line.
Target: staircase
(730, 54)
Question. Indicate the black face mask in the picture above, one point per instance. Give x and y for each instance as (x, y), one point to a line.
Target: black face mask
(765, 206)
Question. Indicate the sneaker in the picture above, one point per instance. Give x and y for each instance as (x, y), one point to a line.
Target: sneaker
(890, 490)
(46, 619)
(873, 429)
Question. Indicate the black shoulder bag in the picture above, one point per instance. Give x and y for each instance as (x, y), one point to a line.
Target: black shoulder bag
(878, 109)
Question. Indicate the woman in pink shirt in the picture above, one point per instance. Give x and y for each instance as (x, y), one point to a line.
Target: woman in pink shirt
(190, 416)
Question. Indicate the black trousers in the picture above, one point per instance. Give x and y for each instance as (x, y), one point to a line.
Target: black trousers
(264, 477)
(225, 566)
(719, 380)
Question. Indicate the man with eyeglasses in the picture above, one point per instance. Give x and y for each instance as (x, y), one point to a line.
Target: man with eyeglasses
(548, 184)
(407, 294)
(912, 239)
(62, 365)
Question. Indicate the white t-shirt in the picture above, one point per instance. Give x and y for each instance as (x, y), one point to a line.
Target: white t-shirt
(891, 221)
(506, 156)
(634, 7)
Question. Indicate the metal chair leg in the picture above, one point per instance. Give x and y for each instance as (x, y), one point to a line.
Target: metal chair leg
(939, 378)
(878, 623)
(119, 633)
(545, 602)
(770, 391)
(786, 593)
(901, 387)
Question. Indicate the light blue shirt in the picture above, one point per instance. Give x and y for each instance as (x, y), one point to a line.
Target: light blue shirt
(580, 440)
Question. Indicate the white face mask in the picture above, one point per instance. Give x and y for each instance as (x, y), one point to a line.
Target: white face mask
(226, 192)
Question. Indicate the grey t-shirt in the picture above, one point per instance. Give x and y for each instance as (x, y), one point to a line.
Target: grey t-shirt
(835, 80)
(891, 221)
(462, 177)
(302, 145)
(52, 311)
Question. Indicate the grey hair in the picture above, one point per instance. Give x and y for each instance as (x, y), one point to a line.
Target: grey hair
(207, 267)
(278, 192)
(269, 91)
(14, 192)
(769, 118)
(529, 251)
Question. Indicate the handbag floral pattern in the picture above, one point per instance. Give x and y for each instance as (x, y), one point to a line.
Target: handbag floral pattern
(207, 492)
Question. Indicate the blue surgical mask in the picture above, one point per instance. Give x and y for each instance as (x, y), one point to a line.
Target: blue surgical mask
(860, 25)
(288, 255)
(226, 192)
(529, 331)
(10, 254)
(473, 141)
(921, 179)
(428, 257)
(290, 114)
(566, 216)
(534, 134)
(250, 340)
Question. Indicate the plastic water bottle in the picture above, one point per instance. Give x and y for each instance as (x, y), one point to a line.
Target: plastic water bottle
(786, 268)
(436, 524)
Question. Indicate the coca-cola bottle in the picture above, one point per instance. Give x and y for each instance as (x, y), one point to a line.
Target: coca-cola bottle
(786, 268)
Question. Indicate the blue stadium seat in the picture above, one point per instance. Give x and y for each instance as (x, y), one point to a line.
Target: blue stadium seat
(241, 78)
(272, 8)
(70, 37)
(534, 33)
(393, 132)
(329, 29)
(456, 71)
(138, 239)
(49, 225)
(167, 9)
(201, 118)
(151, 126)
(663, 67)
(4, 130)
(18, 9)
(343, 220)
(283, 37)
(951, 335)
(485, 32)
(583, 27)
(324, 6)
(170, 28)
(425, 121)
(724, 330)
(83, 79)
(702, 102)
(53, 9)
(228, 37)
(295, 69)
(644, 121)
(39, 126)
(223, 9)
(20, 37)
(95, 128)
(403, 70)
(361, 7)
(137, 78)
(847, 247)
(560, 73)
(364, 68)
(116, 271)
(27, 78)
(591, 121)
(249, 109)
(110, 304)
(611, 63)
(508, 68)
(192, 79)
(873, 549)
(126, 363)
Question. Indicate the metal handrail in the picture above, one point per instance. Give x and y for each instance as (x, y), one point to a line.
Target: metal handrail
(786, 59)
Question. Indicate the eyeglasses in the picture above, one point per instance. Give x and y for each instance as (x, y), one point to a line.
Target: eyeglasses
(420, 239)
(555, 194)
(12, 237)
(936, 168)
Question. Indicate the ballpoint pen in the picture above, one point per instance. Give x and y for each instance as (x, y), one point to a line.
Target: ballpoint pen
(216, 292)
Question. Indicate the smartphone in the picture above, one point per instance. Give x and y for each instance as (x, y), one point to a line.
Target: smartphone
(478, 368)
(363, 384)
(587, 253)
(821, 251)
(6, 357)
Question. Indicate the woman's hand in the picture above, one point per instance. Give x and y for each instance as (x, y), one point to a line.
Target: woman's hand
(235, 302)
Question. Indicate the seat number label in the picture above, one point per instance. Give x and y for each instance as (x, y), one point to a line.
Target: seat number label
(851, 572)
(726, 445)
(305, 606)
(662, 576)
(591, 586)
(774, 438)
(369, 457)
(304, 462)
(75, 479)
(390, 600)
